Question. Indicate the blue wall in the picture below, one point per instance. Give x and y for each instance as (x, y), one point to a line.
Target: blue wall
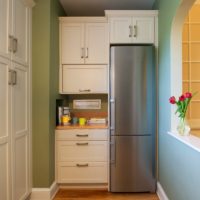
(179, 165)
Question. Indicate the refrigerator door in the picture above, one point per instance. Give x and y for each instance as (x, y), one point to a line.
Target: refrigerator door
(132, 91)
(132, 164)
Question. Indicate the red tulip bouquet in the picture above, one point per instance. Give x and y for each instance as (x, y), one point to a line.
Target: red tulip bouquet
(182, 105)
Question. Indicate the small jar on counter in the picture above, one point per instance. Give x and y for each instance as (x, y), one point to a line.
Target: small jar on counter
(65, 120)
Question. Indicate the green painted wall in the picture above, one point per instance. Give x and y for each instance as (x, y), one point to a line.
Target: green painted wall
(179, 165)
(45, 89)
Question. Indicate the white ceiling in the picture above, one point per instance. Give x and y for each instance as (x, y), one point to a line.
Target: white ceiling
(97, 7)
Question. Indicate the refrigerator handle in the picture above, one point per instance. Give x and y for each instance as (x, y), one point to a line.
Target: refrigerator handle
(112, 120)
(113, 151)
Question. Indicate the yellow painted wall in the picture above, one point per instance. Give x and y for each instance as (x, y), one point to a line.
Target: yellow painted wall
(191, 59)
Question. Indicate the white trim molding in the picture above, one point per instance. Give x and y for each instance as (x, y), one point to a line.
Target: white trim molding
(190, 140)
(44, 193)
(161, 193)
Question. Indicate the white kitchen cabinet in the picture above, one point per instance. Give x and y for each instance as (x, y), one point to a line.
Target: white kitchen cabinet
(5, 27)
(84, 40)
(72, 43)
(5, 132)
(84, 151)
(82, 156)
(120, 30)
(14, 30)
(96, 43)
(83, 79)
(132, 26)
(21, 132)
(15, 174)
(82, 134)
(82, 173)
(20, 31)
(14, 131)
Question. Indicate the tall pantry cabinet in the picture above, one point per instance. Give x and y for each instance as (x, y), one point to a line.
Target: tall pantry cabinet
(15, 108)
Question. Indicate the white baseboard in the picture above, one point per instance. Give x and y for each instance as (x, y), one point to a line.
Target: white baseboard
(44, 193)
(84, 186)
(161, 193)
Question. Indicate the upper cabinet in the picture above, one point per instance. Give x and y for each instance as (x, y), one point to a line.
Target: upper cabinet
(132, 26)
(5, 17)
(14, 30)
(84, 40)
(20, 28)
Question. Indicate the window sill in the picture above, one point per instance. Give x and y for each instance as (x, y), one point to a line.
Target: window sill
(191, 141)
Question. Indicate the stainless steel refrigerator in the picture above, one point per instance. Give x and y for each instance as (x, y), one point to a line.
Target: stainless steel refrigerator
(132, 119)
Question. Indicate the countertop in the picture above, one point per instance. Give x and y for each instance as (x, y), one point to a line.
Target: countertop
(93, 126)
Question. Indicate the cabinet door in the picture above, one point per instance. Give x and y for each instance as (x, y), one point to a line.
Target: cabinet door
(20, 31)
(5, 27)
(20, 133)
(5, 140)
(96, 43)
(143, 30)
(84, 79)
(120, 30)
(72, 43)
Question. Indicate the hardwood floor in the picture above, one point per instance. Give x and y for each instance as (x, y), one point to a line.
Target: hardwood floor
(65, 194)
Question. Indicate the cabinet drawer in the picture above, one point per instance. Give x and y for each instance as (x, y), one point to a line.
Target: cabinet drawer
(84, 172)
(82, 134)
(69, 151)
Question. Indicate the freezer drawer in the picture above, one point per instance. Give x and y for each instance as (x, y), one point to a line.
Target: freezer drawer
(132, 164)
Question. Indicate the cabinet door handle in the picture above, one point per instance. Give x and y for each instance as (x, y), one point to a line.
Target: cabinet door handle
(14, 77)
(10, 77)
(88, 90)
(15, 44)
(82, 52)
(82, 165)
(82, 143)
(135, 31)
(87, 53)
(10, 46)
(78, 135)
(130, 31)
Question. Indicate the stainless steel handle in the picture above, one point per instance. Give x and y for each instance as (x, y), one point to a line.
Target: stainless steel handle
(78, 135)
(14, 77)
(82, 52)
(15, 44)
(113, 150)
(88, 90)
(87, 53)
(12, 80)
(10, 47)
(112, 120)
(82, 144)
(10, 77)
(135, 31)
(130, 31)
(82, 165)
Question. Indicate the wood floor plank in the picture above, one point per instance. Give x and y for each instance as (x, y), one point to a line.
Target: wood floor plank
(66, 194)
